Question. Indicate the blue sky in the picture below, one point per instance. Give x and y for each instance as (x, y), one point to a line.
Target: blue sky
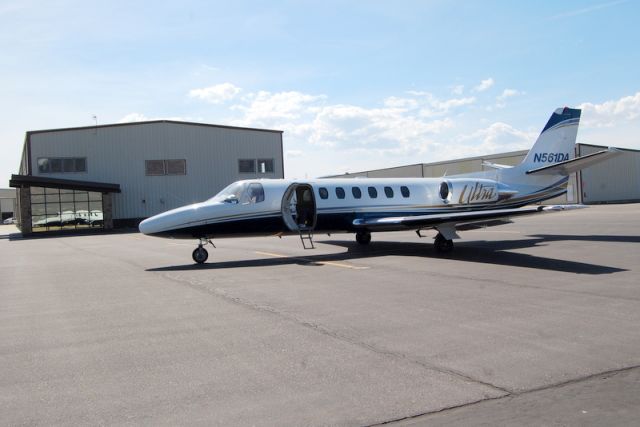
(354, 85)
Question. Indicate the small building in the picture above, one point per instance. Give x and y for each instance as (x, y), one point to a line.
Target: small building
(7, 203)
(116, 175)
(616, 180)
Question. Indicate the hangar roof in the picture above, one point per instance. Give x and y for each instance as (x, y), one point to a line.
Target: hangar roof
(32, 132)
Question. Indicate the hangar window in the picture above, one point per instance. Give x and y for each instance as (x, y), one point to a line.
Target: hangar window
(265, 165)
(62, 164)
(405, 191)
(165, 167)
(340, 192)
(81, 164)
(56, 165)
(373, 193)
(154, 167)
(176, 167)
(247, 166)
(68, 165)
(356, 192)
(389, 192)
(324, 194)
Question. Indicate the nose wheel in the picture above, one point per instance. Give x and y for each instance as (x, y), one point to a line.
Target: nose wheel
(200, 254)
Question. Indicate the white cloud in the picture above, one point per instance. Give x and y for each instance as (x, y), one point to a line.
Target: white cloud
(612, 112)
(588, 9)
(497, 137)
(266, 107)
(484, 85)
(457, 90)
(508, 93)
(352, 126)
(139, 117)
(395, 102)
(216, 94)
(407, 128)
(292, 154)
(445, 106)
(133, 117)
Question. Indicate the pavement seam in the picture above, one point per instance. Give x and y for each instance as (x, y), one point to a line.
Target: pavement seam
(201, 287)
(510, 395)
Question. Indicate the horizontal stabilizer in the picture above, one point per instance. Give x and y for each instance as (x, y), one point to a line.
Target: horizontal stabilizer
(495, 165)
(569, 166)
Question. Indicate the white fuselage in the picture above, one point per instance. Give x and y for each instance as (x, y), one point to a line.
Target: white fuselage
(335, 204)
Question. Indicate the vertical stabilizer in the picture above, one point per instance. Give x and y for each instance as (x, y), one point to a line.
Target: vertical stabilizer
(556, 141)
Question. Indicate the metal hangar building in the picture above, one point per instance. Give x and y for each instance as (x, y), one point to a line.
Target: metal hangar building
(115, 175)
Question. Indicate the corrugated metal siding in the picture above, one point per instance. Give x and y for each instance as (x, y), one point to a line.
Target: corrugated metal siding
(408, 171)
(614, 180)
(118, 154)
(8, 200)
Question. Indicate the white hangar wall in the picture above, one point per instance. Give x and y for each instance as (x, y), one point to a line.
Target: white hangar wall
(613, 181)
(118, 154)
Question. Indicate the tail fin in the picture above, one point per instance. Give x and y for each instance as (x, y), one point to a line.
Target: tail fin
(556, 141)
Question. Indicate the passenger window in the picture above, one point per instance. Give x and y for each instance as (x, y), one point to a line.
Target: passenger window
(356, 192)
(256, 193)
(373, 193)
(324, 194)
(389, 192)
(405, 191)
(340, 192)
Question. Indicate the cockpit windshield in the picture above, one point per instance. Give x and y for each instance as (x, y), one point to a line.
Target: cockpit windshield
(240, 192)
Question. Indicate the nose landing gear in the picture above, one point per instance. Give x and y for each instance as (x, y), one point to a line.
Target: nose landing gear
(200, 254)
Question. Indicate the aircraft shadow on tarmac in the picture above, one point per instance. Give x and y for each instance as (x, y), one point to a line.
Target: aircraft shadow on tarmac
(478, 251)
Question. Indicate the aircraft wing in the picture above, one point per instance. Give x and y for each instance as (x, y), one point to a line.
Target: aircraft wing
(569, 166)
(457, 220)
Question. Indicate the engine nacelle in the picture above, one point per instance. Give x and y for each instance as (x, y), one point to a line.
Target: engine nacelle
(468, 191)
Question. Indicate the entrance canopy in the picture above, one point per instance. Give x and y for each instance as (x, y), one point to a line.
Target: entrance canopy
(18, 181)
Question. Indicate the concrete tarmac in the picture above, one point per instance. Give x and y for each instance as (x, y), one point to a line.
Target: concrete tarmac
(532, 323)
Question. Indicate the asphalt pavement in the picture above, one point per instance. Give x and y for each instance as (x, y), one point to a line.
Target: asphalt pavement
(532, 323)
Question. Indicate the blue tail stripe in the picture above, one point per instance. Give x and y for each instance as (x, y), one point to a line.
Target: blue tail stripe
(567, 114)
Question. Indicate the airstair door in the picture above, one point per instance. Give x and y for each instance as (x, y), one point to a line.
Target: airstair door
(299, 208)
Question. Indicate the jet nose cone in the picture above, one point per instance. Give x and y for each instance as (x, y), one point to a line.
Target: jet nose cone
(167, 223)
(149, 226)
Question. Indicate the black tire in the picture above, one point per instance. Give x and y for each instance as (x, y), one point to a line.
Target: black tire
(363, 237)
(442, 245)
(200, 255)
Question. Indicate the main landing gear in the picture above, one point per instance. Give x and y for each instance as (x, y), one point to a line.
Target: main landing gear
(200, 254)
(442, 245)
(363, 237)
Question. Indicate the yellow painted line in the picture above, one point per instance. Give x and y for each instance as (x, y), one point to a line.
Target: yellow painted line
(331, 263)
(271, 254)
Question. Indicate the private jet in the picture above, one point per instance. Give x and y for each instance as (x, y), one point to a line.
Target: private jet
(278, 207)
